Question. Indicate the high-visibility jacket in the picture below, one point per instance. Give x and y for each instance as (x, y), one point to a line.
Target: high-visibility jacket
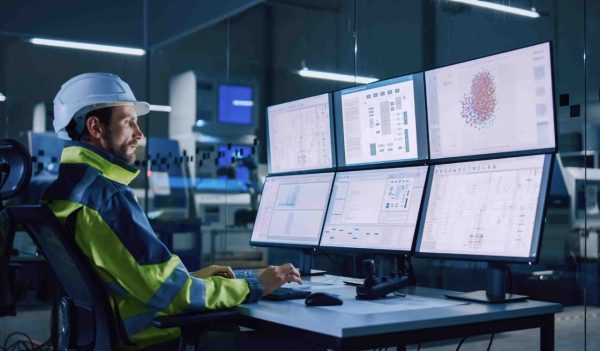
(141, 276)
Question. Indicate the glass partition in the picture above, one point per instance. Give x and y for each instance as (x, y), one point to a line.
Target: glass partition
(204, 159)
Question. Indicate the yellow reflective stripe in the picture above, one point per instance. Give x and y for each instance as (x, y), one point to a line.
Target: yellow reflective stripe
(106, 251)
(78, 154)
(62, 209)
(224, 293)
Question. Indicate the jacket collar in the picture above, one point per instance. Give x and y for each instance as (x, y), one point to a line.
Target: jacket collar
(110, 166)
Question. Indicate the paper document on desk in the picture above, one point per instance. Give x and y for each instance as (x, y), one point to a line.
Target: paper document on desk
(390, 304)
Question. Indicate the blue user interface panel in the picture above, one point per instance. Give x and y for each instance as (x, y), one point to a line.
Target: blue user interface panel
(235, 104)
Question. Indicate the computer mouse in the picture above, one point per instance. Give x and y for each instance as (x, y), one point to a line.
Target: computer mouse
(323, 299)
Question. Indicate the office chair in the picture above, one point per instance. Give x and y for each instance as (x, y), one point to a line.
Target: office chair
(86, 320)
(15, 173)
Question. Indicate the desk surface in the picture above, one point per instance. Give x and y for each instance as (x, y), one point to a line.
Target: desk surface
(344, 322)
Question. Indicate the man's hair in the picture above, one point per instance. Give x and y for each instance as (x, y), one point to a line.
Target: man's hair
(103, 115)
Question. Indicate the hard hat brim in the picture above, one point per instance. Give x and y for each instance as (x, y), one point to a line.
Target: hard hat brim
(141, 108)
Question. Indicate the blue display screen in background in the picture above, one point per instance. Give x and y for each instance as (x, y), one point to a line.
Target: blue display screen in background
(235, 104)
(237, 152)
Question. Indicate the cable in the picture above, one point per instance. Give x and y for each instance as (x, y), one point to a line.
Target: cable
(490, 344)
(460, 343)
(24, 345)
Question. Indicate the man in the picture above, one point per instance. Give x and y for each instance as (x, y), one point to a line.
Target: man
(97, 113)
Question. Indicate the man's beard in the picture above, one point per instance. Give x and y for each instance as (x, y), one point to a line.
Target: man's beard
(120, 151)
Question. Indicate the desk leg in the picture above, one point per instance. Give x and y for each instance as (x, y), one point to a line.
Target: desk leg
(547, 333)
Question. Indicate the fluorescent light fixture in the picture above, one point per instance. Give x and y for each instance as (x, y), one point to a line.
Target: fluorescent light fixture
(200, 123)
(305, 72)
(87, 46)
(499, 7)
(2, 97)
(246, 103)
(161, 108)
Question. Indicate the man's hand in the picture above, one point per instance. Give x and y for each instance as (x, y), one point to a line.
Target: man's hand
(223, 271)
(273, 277)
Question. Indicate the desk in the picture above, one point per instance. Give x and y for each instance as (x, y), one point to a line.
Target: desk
(350, 331)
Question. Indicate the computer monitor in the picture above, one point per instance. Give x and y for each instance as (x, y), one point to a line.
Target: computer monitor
(236, 103)
(500, 104)
(292, 209)
(230, 154)
(585, 205)
(300, 135)
(382, 122)
(490, 210)
(374, 210)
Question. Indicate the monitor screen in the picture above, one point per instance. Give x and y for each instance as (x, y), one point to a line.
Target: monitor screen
(235, 154)
(496, 104)
(300, 135)
(235, 104)
(375, 209)
(585, 209)
(382, 122)
(491, 210)
(292, 209)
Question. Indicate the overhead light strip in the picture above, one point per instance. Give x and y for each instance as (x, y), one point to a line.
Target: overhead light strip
(161, 108)
(499, 7)
(88, 46)
(305, 72)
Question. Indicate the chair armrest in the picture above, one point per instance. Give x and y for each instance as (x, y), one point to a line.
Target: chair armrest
(196, 319)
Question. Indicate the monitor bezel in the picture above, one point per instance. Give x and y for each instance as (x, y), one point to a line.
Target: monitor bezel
(292, 245)
(520, 152)
(338, 249)
(332, 138)
(539, 222)
(420, 113)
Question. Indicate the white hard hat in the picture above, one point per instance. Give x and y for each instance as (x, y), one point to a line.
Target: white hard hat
(87, 92)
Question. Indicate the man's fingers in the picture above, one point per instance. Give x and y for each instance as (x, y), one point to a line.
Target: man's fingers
(230, 273)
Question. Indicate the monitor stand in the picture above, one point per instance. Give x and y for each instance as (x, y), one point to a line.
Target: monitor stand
(306, 258)
(495, 288)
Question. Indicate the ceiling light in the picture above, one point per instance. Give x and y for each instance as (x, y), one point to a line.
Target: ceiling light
(2, 97)
(161, 108)
(305, 72)
(88, 46)
(504, 8)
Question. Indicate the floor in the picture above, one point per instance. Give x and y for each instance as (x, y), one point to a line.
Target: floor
(33, 319)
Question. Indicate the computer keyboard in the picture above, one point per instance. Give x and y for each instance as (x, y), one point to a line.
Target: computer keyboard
(287, 294)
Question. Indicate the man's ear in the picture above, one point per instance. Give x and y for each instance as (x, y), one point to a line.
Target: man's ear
(94, 127)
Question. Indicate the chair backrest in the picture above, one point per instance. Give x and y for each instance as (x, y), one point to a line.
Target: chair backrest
(15, 168)
(15, 173)
(75, 274)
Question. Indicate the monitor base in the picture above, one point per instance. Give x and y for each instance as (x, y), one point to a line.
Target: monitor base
(482, 296)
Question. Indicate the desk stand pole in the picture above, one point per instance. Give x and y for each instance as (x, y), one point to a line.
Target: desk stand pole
(495, 287)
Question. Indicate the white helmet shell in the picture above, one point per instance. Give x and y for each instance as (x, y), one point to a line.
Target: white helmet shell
(87, 92)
